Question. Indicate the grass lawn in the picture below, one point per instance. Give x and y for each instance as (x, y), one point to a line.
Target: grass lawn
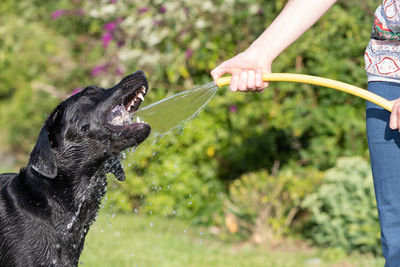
(134, 240)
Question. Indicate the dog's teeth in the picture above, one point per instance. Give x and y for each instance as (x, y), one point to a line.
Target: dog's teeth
(137, 119)
(143, 90)
(141, 96)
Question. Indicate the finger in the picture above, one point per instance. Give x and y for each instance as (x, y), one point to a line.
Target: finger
(242, 85)
(251, 77)
(258, 79)
(218, 72)
(398, 118)
(233, 86)
(393, 123)
(396, 111)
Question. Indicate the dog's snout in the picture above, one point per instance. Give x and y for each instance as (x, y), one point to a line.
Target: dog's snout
(140, 73)
(133, 81)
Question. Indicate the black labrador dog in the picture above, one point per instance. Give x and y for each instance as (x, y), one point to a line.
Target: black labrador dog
(46, 210)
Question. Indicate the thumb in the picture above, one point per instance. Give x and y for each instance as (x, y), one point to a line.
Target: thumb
(394, 116)
(217, 72)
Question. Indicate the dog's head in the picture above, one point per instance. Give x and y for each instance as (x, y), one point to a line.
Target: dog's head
(90, 127)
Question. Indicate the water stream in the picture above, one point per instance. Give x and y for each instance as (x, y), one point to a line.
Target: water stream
(170, 112)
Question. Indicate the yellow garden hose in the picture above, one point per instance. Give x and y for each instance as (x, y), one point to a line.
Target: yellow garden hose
(344, 87)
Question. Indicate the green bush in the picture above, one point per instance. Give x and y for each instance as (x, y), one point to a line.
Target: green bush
(343, 210)
(264, 206)
(31, 60)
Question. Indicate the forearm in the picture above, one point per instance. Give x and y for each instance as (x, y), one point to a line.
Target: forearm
(297, 17)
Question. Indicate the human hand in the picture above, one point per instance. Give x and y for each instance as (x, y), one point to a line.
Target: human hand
(246, 69)
(395, 115)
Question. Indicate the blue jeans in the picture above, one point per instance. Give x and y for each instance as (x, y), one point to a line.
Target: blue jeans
(384, 149)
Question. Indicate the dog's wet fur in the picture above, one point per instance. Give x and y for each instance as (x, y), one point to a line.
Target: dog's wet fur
(46, 210)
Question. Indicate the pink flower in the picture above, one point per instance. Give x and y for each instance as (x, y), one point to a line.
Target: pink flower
(162, 9)
(80, 12)
(58, 13)
(120, 71)
(98, 69)
(188, 53)
(113, 1)
(107, 38)
(75, 91)
(110, 26)
(233, 109)
(120, 43)
(143, 10)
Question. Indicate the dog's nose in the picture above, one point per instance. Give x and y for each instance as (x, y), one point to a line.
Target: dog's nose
(132, 81)
(139, 73)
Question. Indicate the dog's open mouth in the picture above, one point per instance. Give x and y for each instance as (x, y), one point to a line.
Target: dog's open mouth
(121, 116)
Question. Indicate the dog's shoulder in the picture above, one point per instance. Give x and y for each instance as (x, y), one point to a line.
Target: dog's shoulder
(6, 177)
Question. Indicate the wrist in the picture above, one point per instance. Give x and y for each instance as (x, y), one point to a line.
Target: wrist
(261, 53)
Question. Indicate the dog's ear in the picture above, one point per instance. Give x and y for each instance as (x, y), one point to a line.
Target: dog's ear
(42, 159)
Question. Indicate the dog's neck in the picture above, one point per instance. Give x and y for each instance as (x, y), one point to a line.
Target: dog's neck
(81, 204)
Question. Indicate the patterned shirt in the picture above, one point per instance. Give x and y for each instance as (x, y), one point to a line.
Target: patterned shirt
(382, 56)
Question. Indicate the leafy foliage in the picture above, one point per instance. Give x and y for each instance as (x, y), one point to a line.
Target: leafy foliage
(343, 210)
(265, 206)
(24, 76)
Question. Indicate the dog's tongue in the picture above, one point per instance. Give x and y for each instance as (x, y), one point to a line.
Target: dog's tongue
(113, 166)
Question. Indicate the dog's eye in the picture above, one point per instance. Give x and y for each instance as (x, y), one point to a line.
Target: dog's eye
(85, 128)
(90, 90)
